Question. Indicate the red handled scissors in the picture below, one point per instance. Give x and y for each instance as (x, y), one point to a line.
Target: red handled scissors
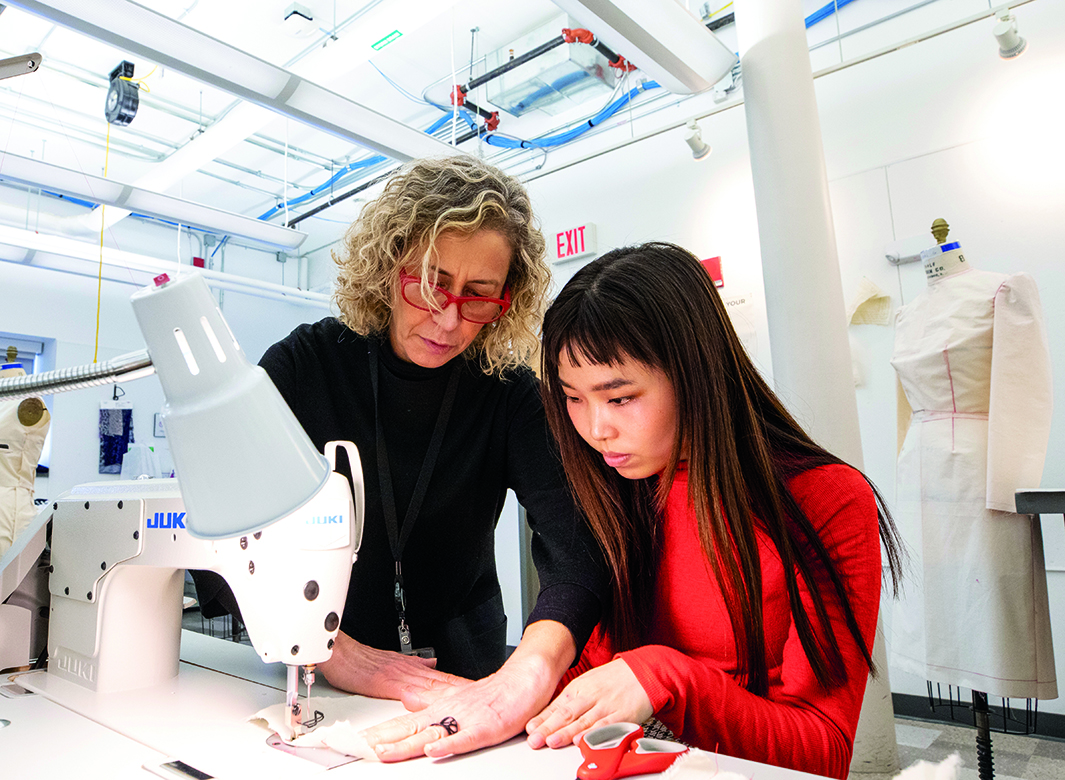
(621, 750)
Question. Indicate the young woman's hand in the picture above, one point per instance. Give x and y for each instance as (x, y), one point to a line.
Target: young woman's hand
(606, 694)
(481, 713)
(382, 674)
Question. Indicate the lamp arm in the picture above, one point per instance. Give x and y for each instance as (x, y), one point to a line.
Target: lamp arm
(123, 368)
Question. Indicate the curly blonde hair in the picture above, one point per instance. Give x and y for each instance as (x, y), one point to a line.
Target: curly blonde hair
(423, 200)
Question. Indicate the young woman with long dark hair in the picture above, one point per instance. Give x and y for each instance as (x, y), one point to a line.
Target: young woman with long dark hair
(746, 559)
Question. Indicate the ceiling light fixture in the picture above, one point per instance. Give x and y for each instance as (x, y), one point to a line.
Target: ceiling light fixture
(694, 139)
(137, 30)
(659, 37)
(109, 192)
(34, 245)
(1010, 44)
(16, 66)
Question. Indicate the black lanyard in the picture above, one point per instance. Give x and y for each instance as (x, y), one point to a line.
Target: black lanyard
(397, 536)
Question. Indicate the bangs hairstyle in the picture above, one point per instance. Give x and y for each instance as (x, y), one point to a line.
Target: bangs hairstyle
(422, 201)
(655, 304)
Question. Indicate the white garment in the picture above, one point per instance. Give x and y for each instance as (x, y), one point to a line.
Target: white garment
(971, 356)
(20, 449)
(139, 461)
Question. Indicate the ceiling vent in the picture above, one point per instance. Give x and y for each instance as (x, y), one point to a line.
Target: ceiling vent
(553, 82)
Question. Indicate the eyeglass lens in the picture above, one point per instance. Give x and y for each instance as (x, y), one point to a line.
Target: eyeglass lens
(482, 311)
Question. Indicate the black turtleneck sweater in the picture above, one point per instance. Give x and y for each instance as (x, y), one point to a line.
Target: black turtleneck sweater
(496, 438)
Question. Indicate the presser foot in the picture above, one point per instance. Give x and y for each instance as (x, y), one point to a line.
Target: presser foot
(294, 711)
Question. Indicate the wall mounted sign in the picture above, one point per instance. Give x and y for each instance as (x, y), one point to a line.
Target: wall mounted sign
(575, 242)
(713, 267)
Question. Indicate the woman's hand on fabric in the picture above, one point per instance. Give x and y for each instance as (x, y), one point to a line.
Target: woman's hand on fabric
(606, 694)
(382, 674)
(482, 713)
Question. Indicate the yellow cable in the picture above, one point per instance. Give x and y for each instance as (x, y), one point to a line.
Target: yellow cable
(100, 275)
(140, 82)
(715, 13)
(103, 225)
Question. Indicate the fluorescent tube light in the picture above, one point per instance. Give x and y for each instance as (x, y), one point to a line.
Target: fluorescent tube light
(140, 31)
(36, 173)
(659, 37)
(91, 253)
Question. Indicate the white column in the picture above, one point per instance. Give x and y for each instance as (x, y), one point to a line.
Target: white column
(875, 747)
(804, 295)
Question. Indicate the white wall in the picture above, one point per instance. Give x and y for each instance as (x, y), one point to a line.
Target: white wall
(939, 129)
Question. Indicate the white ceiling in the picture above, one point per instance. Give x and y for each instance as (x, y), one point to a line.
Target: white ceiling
(56, 114)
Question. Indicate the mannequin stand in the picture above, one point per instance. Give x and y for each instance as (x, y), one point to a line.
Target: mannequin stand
(984, 760)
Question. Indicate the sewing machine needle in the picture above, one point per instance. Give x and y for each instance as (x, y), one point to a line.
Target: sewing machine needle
(308, 678)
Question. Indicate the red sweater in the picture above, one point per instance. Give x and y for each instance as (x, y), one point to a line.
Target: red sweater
(689, 670)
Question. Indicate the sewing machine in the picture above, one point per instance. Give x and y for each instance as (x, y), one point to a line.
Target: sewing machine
(257, 504)
(119, 551)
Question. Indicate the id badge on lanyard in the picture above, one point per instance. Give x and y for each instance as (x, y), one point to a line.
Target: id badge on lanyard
(397, 537)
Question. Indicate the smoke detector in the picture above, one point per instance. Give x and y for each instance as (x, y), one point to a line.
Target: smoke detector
(298, 21)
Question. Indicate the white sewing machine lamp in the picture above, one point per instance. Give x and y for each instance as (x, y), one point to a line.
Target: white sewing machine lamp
(241, 458)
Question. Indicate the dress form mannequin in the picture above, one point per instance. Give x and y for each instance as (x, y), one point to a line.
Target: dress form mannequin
(23, 426)
(973, 365)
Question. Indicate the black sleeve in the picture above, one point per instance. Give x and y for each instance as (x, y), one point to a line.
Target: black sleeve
(279, 362)
(569, 562)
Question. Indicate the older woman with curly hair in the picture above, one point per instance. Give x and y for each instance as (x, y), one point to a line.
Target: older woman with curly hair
(441, 288)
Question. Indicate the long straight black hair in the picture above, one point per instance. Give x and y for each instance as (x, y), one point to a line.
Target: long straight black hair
(655, 304)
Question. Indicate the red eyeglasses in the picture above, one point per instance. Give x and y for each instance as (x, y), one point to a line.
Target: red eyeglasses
(472, 308)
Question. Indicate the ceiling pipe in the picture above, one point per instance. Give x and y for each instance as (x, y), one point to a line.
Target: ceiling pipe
(660, 38)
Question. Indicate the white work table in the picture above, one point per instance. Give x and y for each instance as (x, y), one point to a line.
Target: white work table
(200, 717)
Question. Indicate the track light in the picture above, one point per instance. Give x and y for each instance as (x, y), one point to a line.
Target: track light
(16, 66)
(1010, 43)
(694, 139)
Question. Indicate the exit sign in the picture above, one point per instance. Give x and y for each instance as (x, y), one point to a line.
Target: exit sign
(386, 40)
(575, 242)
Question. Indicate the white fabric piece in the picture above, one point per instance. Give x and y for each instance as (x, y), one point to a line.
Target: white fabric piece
(869, 306)
(342, 735)
(698, 765)
(972, 359)
(18, 466)
(947, 769)
(140, 460)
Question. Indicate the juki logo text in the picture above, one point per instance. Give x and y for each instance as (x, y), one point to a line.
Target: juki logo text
(167, 520)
